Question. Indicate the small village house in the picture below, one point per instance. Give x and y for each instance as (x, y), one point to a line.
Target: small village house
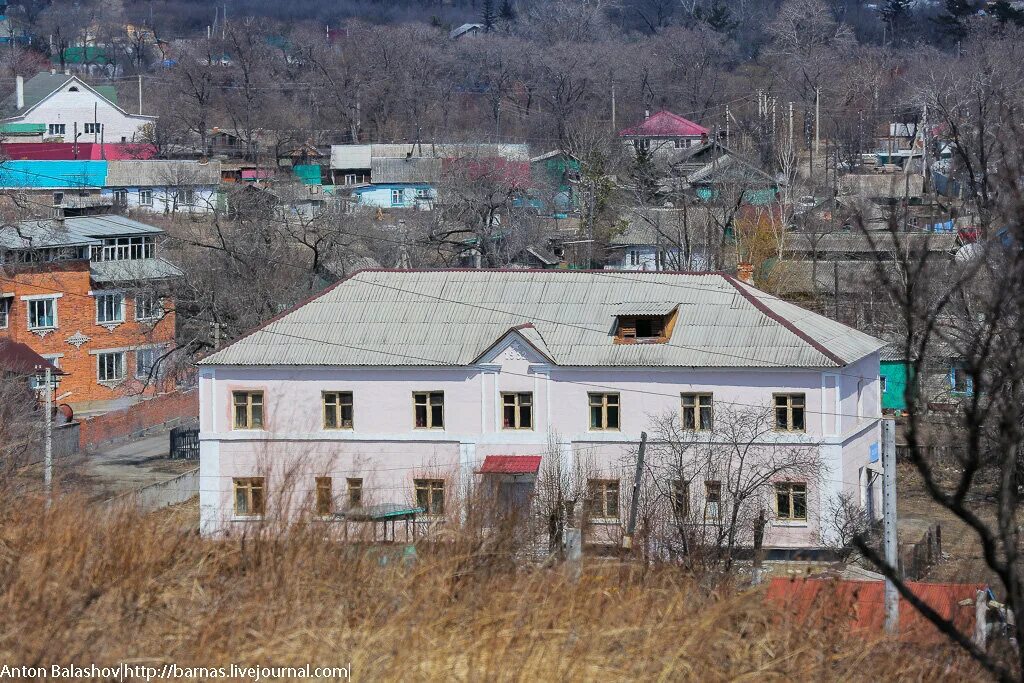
(88, 295)
(664, 134)
(76, 187)
(404, 388)
(53, 107)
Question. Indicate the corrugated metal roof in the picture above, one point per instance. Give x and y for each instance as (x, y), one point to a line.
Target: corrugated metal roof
(412, 170)
(78, 230)
(161, 173)
(657, 226)
(665, 124)
(350, 156)
(646, 308)
(861, 604)
(511, 464)
(137, 269)
(450, 317)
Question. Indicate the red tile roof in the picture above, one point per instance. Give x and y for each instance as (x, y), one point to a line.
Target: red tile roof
(863, 603)
(20, 359)
(511, 464)
(665, 124)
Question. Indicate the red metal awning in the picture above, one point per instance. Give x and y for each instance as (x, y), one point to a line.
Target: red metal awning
(511, 464)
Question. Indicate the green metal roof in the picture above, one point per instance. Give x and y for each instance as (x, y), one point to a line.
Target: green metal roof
(22, 128)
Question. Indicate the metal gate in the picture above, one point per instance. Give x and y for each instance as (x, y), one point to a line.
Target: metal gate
(185, 443)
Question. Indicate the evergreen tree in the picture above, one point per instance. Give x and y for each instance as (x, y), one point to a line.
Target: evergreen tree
(507, 12)
(953, 21)
(488, 16)
(895, 13)
(645, 174)
(1005, 12)
(717, 16)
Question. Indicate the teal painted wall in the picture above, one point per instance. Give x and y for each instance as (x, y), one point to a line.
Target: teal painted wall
(895, 373)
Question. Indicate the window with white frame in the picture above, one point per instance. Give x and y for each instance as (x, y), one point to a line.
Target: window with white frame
(185, 196)
(147, 306)
(634, 257)
(146, 362)
(109, 308)
(5, 311)
(145, 197)
(38, 382)
(56, 128)
(110, 366)
(397, 197)
(93, 128)
(121, 197)
(42, 313)
(124, 249)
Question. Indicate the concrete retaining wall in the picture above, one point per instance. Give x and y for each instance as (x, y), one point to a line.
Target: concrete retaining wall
(171, 492)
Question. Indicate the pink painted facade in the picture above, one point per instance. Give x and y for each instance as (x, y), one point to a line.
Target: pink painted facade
(387, 452)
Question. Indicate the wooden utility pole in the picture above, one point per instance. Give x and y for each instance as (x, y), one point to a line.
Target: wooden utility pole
(627, 540)
(889, 528)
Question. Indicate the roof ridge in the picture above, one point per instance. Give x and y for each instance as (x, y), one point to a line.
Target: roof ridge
(785, 322)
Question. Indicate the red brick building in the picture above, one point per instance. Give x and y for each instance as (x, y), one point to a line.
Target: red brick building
(90, 295)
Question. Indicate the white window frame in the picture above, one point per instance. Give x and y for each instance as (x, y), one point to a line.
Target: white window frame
(145, 197)
(401, 197)
(91, 128)
(5, 310)
(156, 351)
(156, 307)
(56, 129)
(118, 366)
(100, 296)
(29, 300)
(36, 381)
(120, 196)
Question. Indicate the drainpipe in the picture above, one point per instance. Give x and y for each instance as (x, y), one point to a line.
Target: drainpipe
(20, 91)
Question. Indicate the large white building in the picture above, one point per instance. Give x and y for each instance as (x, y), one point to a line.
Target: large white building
(397, 388)
(52, 107)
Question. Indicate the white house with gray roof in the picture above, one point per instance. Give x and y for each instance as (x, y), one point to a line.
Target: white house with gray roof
(406, 388)
(53, 106)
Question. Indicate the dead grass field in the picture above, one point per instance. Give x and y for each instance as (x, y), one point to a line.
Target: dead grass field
(86, 584)
(964, 561)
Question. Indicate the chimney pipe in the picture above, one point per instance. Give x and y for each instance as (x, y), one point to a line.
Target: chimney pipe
(20, 91)
(745, 272)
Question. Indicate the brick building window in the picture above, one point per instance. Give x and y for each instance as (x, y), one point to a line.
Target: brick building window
(248, 409)
(42, 314)
(430, 495)
(110, 366)
(146, 361)
(109, 308)
(428, 409)
(5, 311)
(337, 410)
(250, 500)
(147, 306)
(517, 410)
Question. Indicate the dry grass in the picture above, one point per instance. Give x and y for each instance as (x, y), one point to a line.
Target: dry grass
(106, 586)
